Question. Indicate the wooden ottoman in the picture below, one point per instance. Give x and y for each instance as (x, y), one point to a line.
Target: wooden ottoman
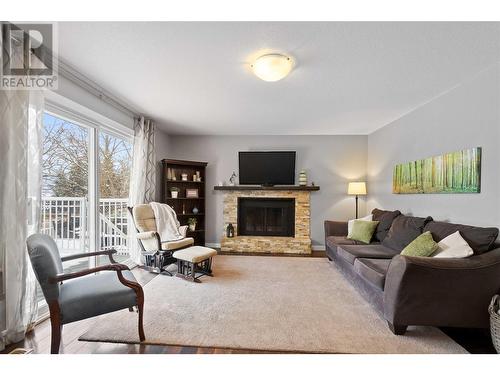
(193, 260)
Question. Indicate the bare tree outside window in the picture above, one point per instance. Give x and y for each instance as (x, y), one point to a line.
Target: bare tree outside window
(65, 200)
(114, 169)
(66, 161)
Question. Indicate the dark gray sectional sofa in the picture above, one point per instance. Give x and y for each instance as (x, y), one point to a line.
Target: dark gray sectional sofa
(419, 290)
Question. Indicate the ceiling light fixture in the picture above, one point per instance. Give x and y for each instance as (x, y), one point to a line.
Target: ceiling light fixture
(272, 67)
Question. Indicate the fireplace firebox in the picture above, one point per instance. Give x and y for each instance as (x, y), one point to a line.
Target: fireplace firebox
(266, 217)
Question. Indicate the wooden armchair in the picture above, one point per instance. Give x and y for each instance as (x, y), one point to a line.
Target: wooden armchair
(71, 297)
(157, 254)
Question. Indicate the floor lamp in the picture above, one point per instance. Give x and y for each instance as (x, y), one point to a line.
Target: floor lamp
(357, 189)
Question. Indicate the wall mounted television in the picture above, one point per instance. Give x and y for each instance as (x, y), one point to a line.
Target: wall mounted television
(267, 168)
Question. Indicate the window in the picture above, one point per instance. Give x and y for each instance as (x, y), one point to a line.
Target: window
(115, 161)
(85, 185)
(65, 187)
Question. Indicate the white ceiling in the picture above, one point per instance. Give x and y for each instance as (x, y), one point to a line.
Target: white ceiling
(350, 78)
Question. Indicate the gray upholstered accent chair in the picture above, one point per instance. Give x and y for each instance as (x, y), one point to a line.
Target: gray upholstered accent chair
(84, 294)
(157, 254)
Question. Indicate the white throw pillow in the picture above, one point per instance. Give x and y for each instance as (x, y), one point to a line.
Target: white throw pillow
(453, 246)
(351, 222)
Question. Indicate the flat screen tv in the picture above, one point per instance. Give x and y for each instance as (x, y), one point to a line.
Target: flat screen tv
(267, 168)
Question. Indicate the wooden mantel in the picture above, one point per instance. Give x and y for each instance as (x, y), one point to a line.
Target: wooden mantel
(256, 187)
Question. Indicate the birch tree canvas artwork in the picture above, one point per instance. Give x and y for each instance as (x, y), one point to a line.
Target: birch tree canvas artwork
(454, 172)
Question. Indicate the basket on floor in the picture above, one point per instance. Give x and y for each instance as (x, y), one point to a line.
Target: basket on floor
(495, 321)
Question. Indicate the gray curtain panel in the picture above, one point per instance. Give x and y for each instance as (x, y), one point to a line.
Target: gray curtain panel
(143, 174)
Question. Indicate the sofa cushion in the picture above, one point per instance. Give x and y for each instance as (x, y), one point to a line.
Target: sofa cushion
(350, 252)
(385, 219)
(334, 241)
(404, 229)
(373, 270)
(479, 239)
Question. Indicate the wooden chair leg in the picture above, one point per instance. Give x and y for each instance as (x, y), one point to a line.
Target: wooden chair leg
(140, 306)
(140, 301)
(56, 327)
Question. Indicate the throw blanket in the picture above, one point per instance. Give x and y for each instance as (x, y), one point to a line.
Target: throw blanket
(167, 224)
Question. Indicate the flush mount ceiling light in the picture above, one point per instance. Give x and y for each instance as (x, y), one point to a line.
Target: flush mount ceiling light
(272, 67)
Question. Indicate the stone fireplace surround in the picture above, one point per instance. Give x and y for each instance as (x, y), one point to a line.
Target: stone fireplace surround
(300, 243)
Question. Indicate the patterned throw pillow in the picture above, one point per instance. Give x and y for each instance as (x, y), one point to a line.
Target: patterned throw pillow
(363, 230)
(422, 246)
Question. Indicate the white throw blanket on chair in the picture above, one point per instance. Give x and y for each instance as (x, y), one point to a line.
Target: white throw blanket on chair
(167, 224)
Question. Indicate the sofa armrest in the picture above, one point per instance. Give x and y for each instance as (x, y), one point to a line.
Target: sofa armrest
(441, 292)
(335, 228)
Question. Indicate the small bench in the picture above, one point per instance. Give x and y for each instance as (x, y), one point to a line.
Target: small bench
(193, 260)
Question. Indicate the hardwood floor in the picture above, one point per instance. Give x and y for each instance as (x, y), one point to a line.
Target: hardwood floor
(474, 341)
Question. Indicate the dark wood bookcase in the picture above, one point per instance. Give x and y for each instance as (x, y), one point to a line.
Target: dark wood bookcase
(183, 205)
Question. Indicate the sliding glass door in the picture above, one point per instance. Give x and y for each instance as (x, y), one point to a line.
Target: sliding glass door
(85, 184)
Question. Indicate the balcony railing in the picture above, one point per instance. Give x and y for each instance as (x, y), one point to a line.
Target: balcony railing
(66, 220)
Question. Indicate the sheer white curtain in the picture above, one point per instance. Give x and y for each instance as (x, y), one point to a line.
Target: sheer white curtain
(20, 153)
(142, 176)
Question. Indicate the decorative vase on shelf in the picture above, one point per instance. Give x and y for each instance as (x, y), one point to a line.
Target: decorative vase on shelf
(184, 177)
(302, 178)
(174, 193)
(195, 210)
(169, 174)
(192, 227)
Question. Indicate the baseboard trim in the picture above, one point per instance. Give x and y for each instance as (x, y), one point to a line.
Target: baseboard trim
(318, 247)
(217, 246)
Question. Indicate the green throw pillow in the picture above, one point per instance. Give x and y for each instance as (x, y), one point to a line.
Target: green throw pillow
(422, 246)
(362, 230)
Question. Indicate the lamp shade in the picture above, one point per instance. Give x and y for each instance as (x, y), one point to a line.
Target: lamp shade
(356, 188)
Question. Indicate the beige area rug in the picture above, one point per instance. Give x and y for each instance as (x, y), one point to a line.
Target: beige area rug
(266, 303)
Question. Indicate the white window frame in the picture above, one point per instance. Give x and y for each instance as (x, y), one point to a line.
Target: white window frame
(71, 111)
(78, 114)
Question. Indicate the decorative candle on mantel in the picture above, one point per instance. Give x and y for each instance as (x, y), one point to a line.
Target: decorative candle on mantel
(303, 178)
